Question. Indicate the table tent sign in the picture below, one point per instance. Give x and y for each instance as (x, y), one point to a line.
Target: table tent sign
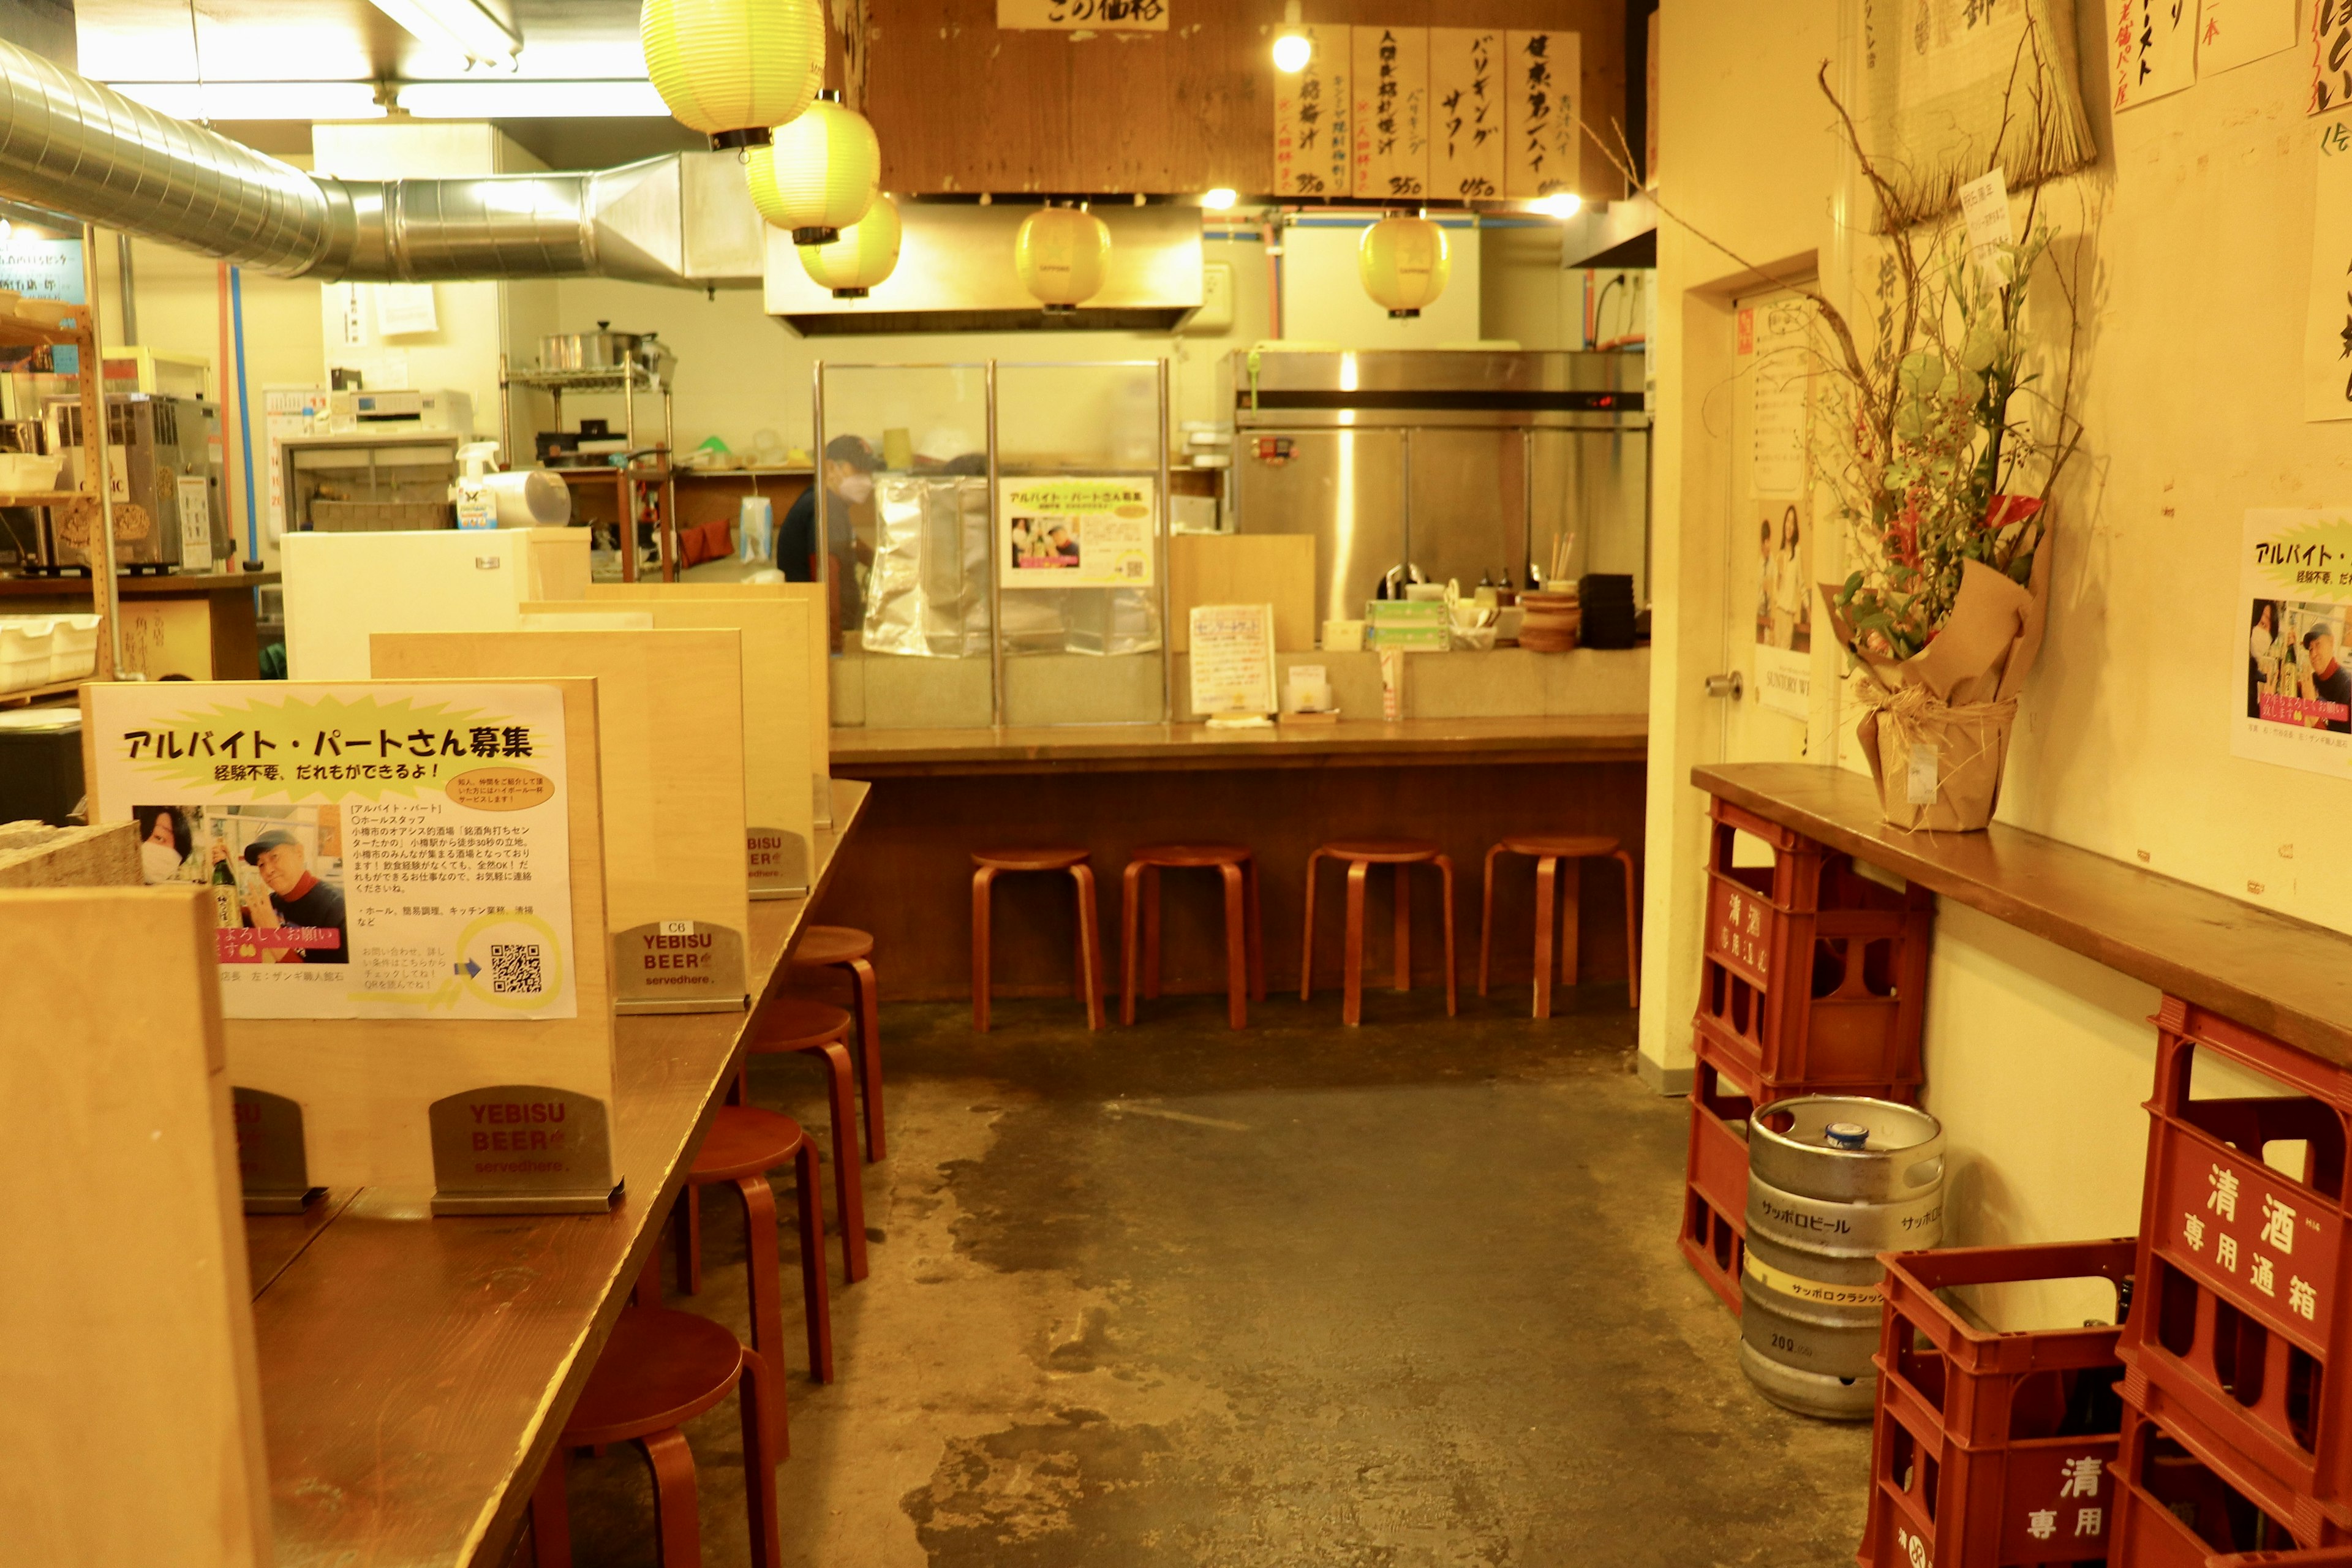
(408, 903)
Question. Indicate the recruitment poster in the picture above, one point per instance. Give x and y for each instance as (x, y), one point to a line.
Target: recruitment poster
(1784, 625)
(2295, 577)
(1077, 532)
(374, 851)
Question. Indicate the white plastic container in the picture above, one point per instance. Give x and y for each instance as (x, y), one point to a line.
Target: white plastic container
(73, 649)
(24, 471)
(29, 651)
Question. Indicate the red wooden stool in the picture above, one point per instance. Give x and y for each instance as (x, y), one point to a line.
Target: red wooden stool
(844, 947)
(1074, 861)
(660, 1370)
(819, 1029)
(741, 1148)
(1361, 855)
(1245, 953)
(1549, 851)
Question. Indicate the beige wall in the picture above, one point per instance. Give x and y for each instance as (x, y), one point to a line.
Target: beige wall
(2037, 1060)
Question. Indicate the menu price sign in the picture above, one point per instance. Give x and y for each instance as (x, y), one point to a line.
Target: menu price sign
(375, 851)
(1314, 141)
(1468, 68)
(1232, 661)
(2294, 597)
(1077, 532)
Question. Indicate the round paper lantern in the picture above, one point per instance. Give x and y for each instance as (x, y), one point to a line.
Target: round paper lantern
(734, 70)
(1061, 254)
(866, 254)
(1403, 264)
(818, 174)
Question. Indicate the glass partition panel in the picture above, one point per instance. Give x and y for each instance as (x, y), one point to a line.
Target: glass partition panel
(1080, 542)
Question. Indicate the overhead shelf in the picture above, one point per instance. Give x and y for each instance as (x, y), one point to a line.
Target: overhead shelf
(16, 333)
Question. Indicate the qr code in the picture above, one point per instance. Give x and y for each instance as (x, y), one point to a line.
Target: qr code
(1134, 568)
(514, 968)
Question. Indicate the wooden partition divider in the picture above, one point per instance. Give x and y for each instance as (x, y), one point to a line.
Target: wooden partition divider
(129, 1408)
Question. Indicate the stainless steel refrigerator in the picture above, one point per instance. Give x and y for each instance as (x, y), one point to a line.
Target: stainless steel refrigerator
(1463, 463)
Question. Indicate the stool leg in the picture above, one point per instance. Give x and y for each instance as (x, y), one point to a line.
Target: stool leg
(1151, 932)
(808, 1185)
(1632, 931)
(550, 1515)
(756, 1390)
(1546, 888)
(1486, 919)
(1403, 927)
(869, 1052)
(1089, 944)
(676, 1511)
(1445, 890)
(848, 1176)
(980, 882)
(760, 1267)
(1130, 912)
(1352, 1004)
(1256, 934)
(1236, 948)
(1571, 915)
(1307, 943)
(686, 1228)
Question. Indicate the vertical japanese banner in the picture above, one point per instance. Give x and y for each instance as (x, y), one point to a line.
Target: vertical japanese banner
(2232, 33)
(2153, 50)
(2295, 574)
(1314, 144)
(1391, 78)
(2331, 56)
(1540, 115)
(2328, 319)
(1467, 67)
(374, 851)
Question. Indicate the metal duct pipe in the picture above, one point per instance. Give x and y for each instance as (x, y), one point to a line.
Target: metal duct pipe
(68, 144)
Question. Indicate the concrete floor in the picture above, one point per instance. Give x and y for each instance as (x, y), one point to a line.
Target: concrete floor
(1395, 1295)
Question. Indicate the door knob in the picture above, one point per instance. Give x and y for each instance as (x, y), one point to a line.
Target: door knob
(1725, 686)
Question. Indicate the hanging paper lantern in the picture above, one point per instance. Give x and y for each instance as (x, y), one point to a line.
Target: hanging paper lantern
(734, 70)
(866, 254)
(1061, 254)
(820, 172)
(1403, 263)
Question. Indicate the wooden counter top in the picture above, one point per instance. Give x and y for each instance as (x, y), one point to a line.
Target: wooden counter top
(415, 1371)
(165, 586)
(2285, 977)
(1350, 743)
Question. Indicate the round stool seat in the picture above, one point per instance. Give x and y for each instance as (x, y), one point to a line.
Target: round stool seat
(1182, 855)
(660, 1370)
(1382, 851)
(832, 944)
(1044, 859)
(745, 1141)
(797, 1024)
(1564, 846)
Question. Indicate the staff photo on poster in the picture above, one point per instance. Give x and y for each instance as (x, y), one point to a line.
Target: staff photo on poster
(1784, 622)
(276, 873)
(2294, 701)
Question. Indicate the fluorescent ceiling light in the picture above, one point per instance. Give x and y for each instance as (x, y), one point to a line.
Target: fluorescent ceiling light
(459, 25)
(257, 100)
(512, 98)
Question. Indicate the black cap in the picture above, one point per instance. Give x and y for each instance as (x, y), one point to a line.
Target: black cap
(853, 451)
(2315, 633)
(268, 841)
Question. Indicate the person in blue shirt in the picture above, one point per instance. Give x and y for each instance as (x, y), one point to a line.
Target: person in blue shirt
(846, 477)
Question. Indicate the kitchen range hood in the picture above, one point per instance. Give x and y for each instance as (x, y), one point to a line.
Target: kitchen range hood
(955, 274)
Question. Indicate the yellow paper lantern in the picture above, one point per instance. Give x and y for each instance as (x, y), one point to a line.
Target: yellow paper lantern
(866, 254)
(1404, 264)
(734, 70)
(1061, 254)
(819, 175)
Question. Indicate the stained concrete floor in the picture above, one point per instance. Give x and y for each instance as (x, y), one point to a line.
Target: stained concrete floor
(1395, 1295)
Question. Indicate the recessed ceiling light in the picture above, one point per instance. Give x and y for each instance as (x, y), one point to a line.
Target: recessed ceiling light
(1292, 47)
(1561, 204)
(1219, 200)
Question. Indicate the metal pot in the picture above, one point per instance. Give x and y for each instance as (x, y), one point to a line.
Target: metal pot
(602, 349)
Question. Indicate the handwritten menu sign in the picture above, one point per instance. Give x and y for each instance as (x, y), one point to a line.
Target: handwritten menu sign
(1778, 380)
(2231, 32)
(2327, 317)
(1070, 16)
(2331, 56)
(1392, 76)
(2154, 49)
(1232, 659)
(1314, 141)
(1467, 143)
(1541, 104)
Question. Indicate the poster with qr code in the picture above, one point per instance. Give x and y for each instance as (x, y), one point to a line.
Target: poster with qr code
(1076, 532)
(390, 850)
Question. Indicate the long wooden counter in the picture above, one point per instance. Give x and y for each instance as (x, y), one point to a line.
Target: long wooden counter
(415, 1371)
(2286, 977)
(1348, 743)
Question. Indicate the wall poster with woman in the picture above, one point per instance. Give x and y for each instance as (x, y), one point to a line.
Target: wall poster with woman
(2295, 594)
(1784, 625)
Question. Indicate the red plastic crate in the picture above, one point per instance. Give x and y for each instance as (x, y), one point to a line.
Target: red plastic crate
(2241, 1342)
(1969, 1465)
(1714, 1244)
(2322, 1557)
(1828, 992)
(2179, 1505)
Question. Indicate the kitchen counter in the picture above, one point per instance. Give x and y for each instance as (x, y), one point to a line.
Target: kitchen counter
(1348, 743)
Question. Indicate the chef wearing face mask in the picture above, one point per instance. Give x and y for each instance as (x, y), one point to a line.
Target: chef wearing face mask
(847, 479)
